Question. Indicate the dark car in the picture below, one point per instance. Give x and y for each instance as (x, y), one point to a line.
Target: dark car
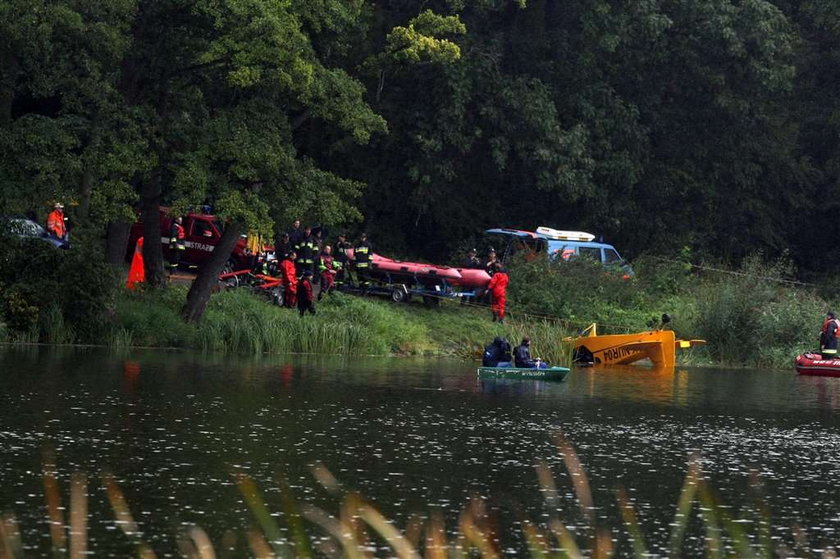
(27, 229)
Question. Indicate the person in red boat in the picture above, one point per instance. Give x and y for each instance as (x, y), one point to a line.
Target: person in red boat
(498, 290)
(828, 336)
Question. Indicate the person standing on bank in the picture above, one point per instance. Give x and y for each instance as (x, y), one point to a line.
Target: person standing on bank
(295, 234)
(177, 243)
(828, 336)
(471, 261)
(305, 300)
(306, 252)
(361, 254)
(289, 276)
(490, 263)
(282, 247)
(498, 291)
(57, 222)
(341, 257)
(328, 267)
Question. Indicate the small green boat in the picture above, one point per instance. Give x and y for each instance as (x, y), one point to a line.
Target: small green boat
(552, 373)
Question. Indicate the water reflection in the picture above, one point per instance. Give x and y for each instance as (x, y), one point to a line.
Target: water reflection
(412, 435)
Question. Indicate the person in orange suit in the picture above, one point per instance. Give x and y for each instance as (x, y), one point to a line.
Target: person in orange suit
(289, 276)
(498, 289)
(137, 272)
(56, 222)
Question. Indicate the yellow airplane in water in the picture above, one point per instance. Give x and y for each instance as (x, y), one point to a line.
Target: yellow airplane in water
(660, 346)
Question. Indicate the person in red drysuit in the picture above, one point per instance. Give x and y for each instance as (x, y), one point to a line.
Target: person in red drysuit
(287, 272)
(498, 288)
(328, 267)
(306, 302)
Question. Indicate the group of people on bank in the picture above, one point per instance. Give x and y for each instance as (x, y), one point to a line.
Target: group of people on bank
(306, 258)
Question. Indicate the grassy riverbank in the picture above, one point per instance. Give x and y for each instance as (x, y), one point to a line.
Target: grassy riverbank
(754, 316)
(241, 322)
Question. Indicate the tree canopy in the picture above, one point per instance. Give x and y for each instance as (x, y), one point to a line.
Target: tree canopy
(661, 124)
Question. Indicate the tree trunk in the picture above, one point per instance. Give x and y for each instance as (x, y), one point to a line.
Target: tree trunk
(88, 178)
(9, 69)
(150, 214)
(116, 239)
(199, 294)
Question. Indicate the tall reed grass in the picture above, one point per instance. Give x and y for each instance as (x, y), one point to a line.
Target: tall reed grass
(237, 321)
(358, 529)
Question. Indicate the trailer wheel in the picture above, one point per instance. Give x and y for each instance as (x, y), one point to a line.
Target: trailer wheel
(232, 281)
(277, 297)
(399, 295)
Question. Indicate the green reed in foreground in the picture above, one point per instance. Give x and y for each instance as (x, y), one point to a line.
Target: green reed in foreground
(358, 526)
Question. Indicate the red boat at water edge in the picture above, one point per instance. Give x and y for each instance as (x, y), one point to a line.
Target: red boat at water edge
(814, 365)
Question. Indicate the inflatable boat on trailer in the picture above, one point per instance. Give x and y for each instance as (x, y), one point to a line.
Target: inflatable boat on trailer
(812, 364)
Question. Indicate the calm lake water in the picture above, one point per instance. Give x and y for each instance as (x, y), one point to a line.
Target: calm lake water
(413, 436)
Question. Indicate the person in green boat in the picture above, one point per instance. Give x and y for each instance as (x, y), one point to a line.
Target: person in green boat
(497, 353)
(522, 356)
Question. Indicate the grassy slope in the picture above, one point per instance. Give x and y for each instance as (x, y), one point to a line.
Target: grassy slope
(238, 321)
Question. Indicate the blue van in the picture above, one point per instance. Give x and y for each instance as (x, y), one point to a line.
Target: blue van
(558, 245)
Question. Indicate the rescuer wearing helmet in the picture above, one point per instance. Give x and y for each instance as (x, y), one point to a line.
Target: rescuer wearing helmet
(177, 243)
(57, 222)
(828, 336)
(361, 254)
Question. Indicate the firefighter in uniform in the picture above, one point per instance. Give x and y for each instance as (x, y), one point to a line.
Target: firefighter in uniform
(306, 252)
(295, 234)
(828, 336)
(361, 254)
(341, 257)
(177, 243)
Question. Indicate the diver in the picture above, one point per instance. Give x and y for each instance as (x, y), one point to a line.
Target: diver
(497, 354)
(522, 356)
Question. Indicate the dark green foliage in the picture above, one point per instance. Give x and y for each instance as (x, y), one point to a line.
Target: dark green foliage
(53, 295)
(753, 318)
(579, 292)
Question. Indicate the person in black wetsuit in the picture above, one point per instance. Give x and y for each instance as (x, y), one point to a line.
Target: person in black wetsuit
(497, 354)
(522, 356)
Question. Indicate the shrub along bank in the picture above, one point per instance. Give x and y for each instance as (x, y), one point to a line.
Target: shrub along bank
(754, 316)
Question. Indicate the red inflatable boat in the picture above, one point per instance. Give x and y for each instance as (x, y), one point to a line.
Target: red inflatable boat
(472, 278)
(426, 271)
(813, 364)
